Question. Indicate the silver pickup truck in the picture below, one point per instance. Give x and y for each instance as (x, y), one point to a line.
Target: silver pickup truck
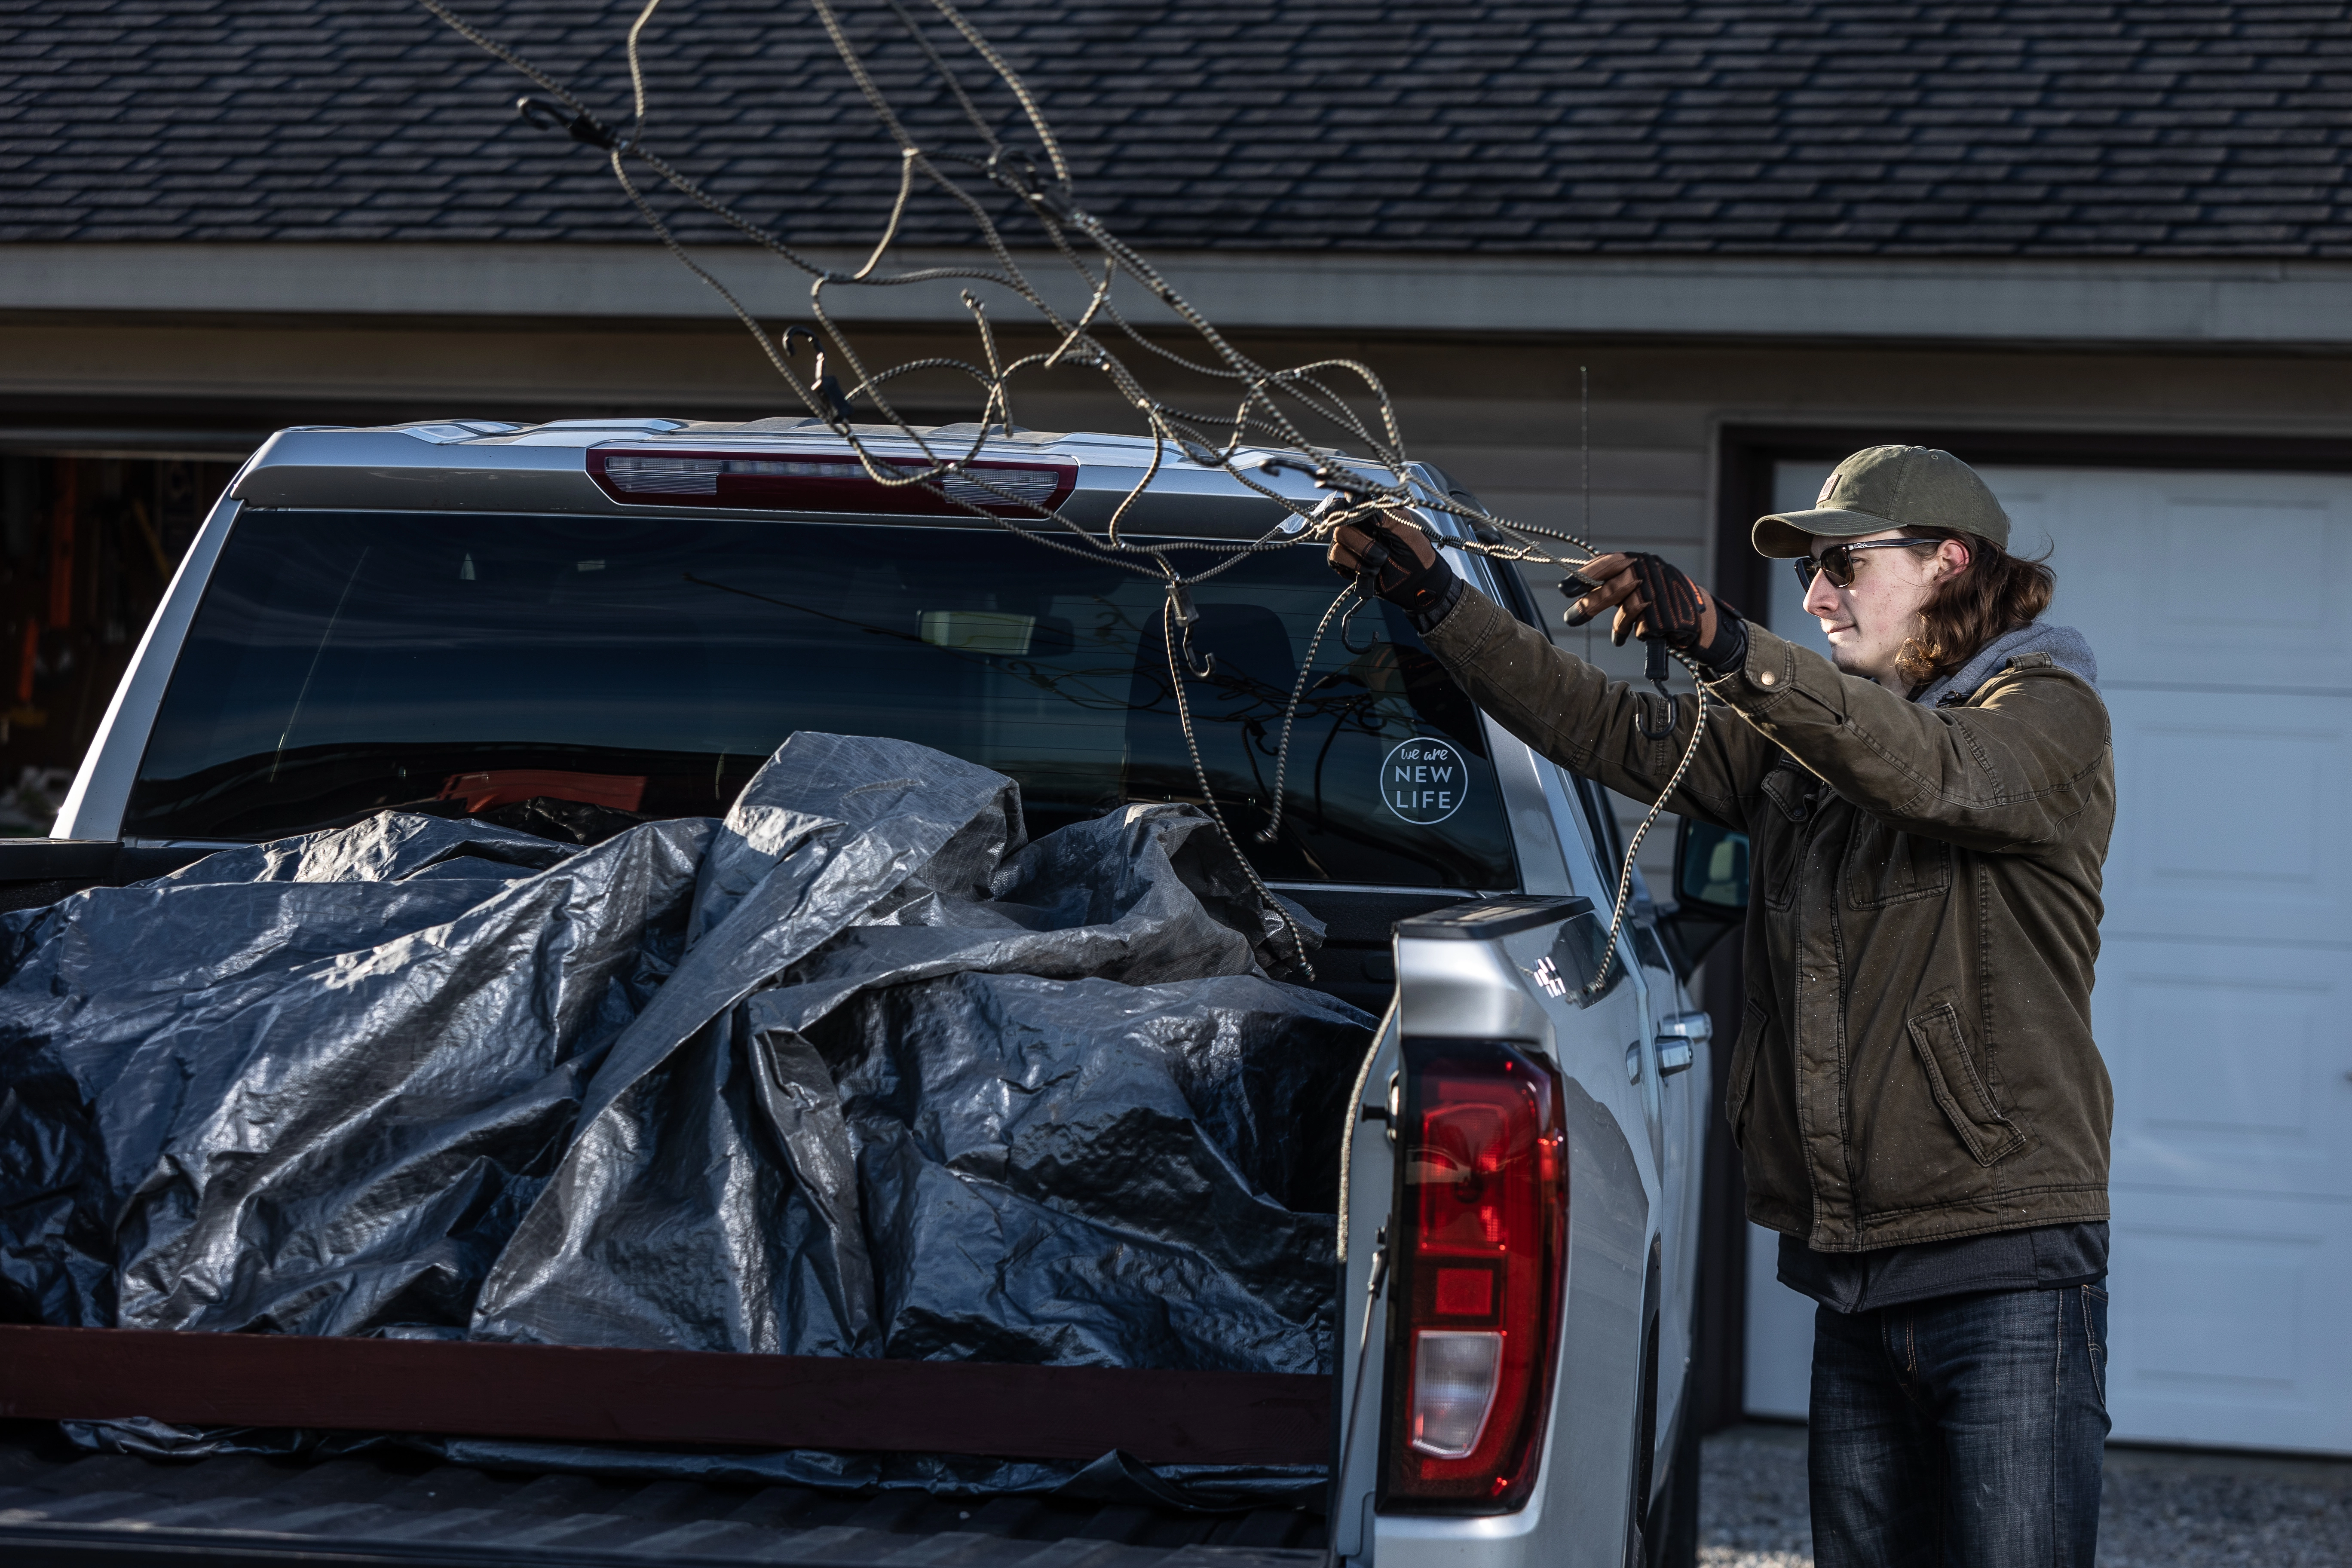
(628, 616)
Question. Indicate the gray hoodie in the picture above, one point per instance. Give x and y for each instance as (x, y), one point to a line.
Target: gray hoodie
(2065, 645)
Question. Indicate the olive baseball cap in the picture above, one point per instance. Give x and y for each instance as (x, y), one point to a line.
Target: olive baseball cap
(1881, 488)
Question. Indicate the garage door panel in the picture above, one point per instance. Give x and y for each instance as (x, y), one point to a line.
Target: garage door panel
(2230, 1066)
(2196, 579)
(2229, 816)
(2224, 1321)
(2221, 608)
(2244, 574)
(1779, 1345)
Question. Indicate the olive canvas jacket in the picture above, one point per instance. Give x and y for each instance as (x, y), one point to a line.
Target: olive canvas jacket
(1915, 1060)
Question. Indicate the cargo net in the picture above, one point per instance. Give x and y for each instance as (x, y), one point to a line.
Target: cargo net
(1330, 419)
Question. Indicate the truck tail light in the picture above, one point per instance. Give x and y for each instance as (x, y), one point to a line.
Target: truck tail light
(1481, 1247)
(822, 482)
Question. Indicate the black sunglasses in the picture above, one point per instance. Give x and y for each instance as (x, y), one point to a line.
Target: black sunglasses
(1836, 562)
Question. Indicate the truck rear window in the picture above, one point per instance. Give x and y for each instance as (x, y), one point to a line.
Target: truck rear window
(343, 663)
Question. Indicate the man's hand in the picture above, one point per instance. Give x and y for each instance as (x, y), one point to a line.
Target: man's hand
(1404, 568)
(1651, 599)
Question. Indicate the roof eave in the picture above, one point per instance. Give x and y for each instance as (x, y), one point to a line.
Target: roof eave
(2216, 302)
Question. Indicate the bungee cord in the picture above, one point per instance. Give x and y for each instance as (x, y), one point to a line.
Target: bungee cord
(1273, 409)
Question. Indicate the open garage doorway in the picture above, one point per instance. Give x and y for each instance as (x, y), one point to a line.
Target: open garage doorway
(92, 538)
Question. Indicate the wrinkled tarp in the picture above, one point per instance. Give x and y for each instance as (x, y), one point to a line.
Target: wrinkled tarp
(857, 1071)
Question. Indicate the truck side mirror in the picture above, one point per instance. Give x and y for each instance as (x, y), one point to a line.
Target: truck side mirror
(1710, 890)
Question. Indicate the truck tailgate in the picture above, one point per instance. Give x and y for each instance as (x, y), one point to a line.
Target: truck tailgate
(61, 1506)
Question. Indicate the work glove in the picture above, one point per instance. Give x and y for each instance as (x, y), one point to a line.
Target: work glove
(1655, 599)
(1396, 563)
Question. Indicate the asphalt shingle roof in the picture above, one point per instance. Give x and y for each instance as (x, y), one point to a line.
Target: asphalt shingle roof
(2002, 127)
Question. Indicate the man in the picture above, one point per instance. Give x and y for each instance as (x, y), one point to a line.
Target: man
(1920, 1111)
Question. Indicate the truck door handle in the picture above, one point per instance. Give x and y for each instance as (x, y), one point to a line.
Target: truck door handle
(1678, 1039)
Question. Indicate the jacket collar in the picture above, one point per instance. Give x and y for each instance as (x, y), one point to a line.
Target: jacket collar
(2065, 645)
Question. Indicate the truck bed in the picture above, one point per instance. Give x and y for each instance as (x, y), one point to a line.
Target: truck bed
(61, 1506)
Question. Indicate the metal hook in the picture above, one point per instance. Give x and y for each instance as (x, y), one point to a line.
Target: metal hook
(1347, 620)
(1201, 668)
(1187, 613)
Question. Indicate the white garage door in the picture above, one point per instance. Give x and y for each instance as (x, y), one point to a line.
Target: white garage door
(2221, 608)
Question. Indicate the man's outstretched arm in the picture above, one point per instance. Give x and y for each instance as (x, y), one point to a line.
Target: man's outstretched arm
(1564, 708)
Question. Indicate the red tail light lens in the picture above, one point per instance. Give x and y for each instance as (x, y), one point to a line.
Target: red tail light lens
(823, 482)
(1475, 1326)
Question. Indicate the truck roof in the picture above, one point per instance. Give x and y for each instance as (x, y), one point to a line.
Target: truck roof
(567, 466)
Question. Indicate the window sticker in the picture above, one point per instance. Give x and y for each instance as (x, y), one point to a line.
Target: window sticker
(1424, 780)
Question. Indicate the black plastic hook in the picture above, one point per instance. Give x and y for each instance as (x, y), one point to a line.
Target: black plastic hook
(581, 126)
(826, 389)
(1018, 174)
(1326, 476)
(1654, 672)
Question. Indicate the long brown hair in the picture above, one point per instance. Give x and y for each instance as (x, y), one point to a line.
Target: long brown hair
(1996, 593)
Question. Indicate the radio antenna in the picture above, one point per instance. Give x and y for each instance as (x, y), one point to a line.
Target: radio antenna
(1584, 441)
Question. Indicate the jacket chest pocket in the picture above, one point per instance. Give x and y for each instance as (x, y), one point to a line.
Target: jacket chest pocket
(1887, 866)
(1778, 847)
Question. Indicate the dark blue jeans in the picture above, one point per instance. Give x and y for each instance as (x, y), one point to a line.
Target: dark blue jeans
(1965, 1432)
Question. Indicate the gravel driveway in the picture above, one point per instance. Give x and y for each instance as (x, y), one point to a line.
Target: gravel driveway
(2162, 1510)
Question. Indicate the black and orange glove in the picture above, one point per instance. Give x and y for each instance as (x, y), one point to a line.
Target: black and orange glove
(1399, 564)
(1654, 598)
